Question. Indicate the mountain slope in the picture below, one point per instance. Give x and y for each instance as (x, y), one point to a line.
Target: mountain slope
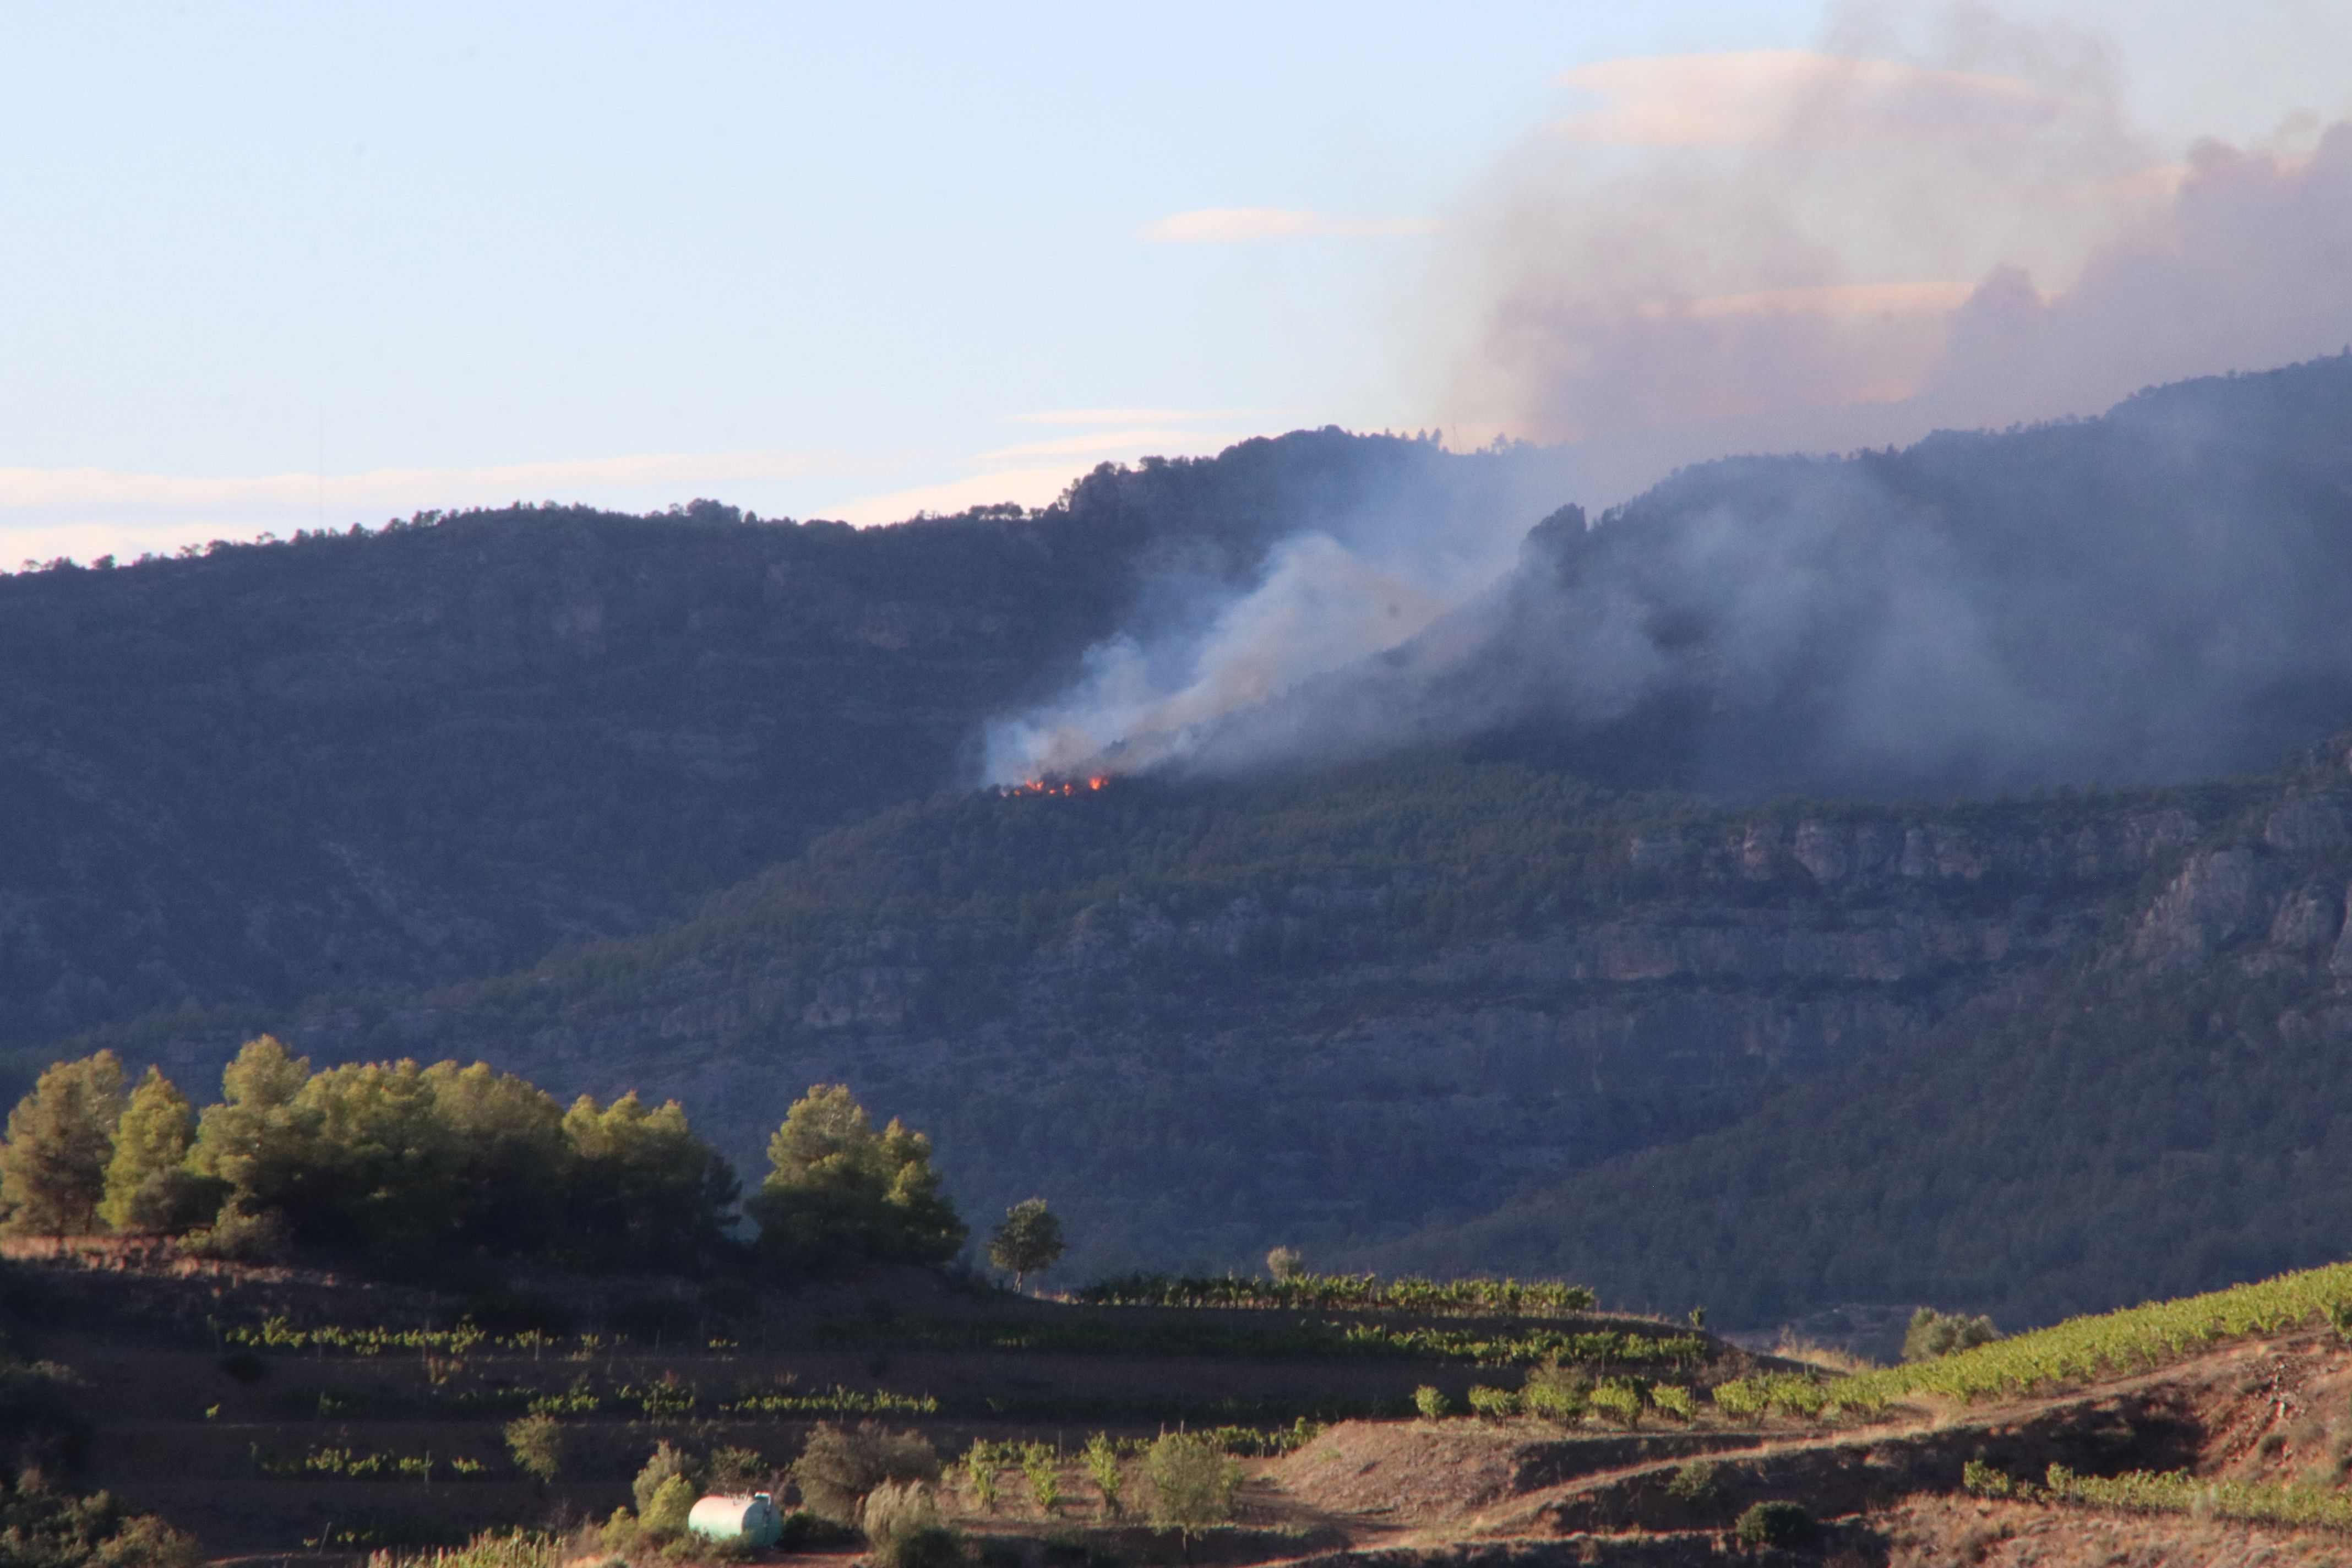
(2170, 1110)
(398, 759)
(1204, 1020)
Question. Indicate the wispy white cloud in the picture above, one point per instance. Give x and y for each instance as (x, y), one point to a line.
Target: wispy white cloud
(86, 512)
(1100, 443)
(1235, 225)
(1139, 416)
(1762, 96)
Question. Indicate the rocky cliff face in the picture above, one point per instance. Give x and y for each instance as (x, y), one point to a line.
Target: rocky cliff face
(2164, 1107)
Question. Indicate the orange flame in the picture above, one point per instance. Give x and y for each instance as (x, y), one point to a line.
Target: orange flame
(1053, 786)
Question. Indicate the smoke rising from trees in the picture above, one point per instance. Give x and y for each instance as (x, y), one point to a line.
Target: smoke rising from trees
(1824, 251)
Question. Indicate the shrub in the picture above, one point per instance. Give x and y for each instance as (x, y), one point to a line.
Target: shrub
(1102, 1464)
(537, 1444)
(980, 1473)
(1694, 1482)
(802, 1529)
(622, 1533)
(1556, 1392)
(1192, 1483)
(1675, 1401)
(902, 1523)
(1429, 1402)
(45, 1528)
(664, 1463)
(42, 1422)
(665, 1515)
(1934, 1333)
(1783, 1524)
(1042, 1466)
(736, 1472)
(241, 1234)
(839, 1469)
(1618, 1399)
(1493, 1403)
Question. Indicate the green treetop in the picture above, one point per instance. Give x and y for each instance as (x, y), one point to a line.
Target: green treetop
(148, 1187)
(842, 1194)
(1028, 1242)
(60, 1140)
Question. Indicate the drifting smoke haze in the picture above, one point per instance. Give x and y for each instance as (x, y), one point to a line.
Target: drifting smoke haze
(1824, 251)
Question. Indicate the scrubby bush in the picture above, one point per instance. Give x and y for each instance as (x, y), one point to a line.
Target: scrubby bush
(1493, 1403)
(1934, 1333)
(1620, 1399)
(1429, 1402)
(1041, 1467)
(1101, 1457)
(1556, 1392)
(1193, 1483)
(41, 1528)
(660, 1468)
(839, 1469)
(42, 1422)
(1694, 1482)
(1674, 1400)
(537, 1444)
(1782, 1524)
(902, 1523)
(738, 1472)
(665, 1514)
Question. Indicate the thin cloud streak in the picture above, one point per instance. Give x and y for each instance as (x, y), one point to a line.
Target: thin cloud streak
(1142, 416)
(87, 512)
(1241, 225)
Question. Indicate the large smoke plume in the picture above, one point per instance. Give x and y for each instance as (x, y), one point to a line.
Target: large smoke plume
(1821, 251)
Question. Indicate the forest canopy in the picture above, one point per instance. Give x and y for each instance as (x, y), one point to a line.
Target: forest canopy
(405, 1165)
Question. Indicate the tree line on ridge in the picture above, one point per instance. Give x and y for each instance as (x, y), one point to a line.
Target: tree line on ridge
(406, 1165)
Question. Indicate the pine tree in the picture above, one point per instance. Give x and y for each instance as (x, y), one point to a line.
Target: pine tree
(61, 1140)
(148, 1187)
(842, 1194)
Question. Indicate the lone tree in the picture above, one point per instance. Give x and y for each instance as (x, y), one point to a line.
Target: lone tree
(60, 1140)
(1028, 1242)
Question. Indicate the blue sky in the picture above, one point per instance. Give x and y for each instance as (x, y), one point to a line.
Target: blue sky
(264, 265)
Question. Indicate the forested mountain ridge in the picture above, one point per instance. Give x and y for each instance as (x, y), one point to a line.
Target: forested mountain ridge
(2171, 1104)
(1501, 997)
(371, 760)
(1204, 1020)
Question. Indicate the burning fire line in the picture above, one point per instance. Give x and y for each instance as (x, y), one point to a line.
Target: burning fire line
(1054, 787)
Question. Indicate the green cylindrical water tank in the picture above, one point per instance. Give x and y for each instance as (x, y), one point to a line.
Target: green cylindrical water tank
(753, 1519)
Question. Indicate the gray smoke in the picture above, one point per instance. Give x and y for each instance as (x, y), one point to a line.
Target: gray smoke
(2162, 594)
(1822, 251)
